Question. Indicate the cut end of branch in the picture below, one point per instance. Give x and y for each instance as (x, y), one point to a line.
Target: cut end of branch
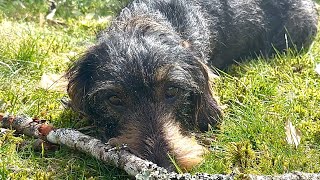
(9, 119)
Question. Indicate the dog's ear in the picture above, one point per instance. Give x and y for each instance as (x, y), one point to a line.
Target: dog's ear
(207, 110)
(79, 76)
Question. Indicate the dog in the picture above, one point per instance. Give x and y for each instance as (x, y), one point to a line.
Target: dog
(147, 81)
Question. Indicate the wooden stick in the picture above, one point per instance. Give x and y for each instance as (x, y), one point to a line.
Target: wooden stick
(119, 157)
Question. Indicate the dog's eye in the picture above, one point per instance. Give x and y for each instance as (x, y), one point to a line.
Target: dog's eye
(115, 100)
(172, 92)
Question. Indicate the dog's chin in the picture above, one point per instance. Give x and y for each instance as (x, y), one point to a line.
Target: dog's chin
(185, 149)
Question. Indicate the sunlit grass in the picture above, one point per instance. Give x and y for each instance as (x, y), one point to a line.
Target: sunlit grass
(261, 95)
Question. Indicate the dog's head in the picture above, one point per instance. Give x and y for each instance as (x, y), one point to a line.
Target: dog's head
(113, 80)
(138, 82)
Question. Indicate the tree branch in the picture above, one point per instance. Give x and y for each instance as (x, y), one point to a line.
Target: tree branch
(119, 157)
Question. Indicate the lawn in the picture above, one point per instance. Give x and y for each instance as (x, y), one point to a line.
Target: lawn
(259, 97)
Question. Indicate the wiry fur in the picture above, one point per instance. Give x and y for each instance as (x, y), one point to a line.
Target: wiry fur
(146, 81)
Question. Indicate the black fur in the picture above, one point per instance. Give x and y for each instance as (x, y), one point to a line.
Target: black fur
(149, 67)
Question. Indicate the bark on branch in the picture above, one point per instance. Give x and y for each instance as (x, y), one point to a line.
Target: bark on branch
(119, 157)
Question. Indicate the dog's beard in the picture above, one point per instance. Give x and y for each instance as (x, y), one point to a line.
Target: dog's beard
(161, 140)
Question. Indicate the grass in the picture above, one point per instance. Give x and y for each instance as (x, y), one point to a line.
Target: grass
(260, 95)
